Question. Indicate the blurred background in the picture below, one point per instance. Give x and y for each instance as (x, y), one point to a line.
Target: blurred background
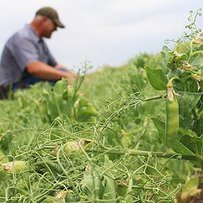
(106, 32)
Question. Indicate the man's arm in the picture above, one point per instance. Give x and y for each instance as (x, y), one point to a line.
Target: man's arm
(27, 57)
(47, 72)
(59, 66)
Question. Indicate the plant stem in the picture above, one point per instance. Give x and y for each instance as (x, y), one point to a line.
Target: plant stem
(197, 52)
(134, 152)
(155, 98)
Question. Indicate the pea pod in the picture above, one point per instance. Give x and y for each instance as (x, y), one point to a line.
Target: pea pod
(76, 146)
(172, 114)
(15, 167)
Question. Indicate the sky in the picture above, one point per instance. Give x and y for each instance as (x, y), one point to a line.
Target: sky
(105, 32)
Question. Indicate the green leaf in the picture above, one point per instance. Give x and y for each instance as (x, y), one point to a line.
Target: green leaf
(156, 78)
(51, 108)
(180, 56)
(192, 184)
(187, 103)
(112, 137)
(183, 47)
(181, 149)
(194, 144)
(190, 190)
(90, 184)
(197, 60)
(60, 87)
(85, 110)
(187, 132)
(197, 126)
(160, 126)
(110, 190)
(166, 53)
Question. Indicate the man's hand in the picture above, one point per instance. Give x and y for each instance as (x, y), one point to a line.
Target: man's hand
(58, 66)
(71, 76)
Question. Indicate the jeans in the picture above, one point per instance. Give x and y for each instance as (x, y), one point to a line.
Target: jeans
(25, 82)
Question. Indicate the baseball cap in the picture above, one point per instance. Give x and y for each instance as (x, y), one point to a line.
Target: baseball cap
(52, 14)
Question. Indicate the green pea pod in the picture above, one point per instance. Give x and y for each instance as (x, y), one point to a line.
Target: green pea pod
(172, 115)
(76, 146)
(172, 119)
(15, 167)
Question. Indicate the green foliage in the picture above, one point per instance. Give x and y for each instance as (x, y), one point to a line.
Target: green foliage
(184, 69)
(156, 78)
(64, 101)
(40, 137)
(109, 137)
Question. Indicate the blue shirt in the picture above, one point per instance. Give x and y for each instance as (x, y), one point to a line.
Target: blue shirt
(23, 48)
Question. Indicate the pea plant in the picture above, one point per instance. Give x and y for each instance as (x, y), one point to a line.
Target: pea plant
(68, 147)
(181, 79)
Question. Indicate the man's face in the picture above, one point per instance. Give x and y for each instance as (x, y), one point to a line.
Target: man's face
(47, 27)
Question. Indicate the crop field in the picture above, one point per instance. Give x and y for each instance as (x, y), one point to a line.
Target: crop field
(118, 135)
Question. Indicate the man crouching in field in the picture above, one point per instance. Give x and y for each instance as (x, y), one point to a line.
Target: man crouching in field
(26, 58)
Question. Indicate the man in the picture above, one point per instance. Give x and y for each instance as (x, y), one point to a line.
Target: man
(26, 58)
